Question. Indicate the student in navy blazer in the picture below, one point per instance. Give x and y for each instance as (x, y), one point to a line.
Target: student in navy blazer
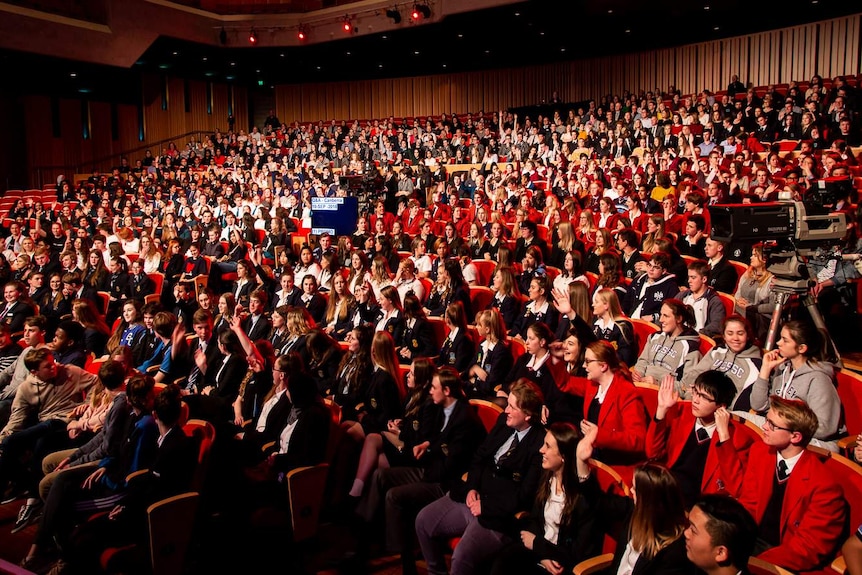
(390, 316)
(540, 308)
(311, 300)
(508, 298)
(458, 347)
(493, 360)
(417, 337)
(502, 480)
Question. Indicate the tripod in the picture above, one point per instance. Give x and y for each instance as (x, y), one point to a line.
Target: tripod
(784, 290)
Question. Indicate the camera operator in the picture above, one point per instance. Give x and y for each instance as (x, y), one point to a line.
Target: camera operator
(832, 269)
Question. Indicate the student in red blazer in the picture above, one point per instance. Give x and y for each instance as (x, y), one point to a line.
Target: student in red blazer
(675, 436)
(606, 217)
(612, 404)
(411, 219)
(810, 522)
(381, 213)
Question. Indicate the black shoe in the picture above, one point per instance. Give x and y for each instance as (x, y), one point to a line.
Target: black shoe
(28, 515)
(13, 494)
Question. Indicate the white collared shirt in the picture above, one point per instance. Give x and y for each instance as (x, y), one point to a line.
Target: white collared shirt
(790, 461)
(267, 407)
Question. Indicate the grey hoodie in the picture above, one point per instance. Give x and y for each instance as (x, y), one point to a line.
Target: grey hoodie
(814, 384)
(664, 354)
(742, 368)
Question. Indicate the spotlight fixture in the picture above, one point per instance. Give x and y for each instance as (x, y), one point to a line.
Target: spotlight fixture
(252, 37)
(222, 37)
(303, 32)
(420, 11)
(347, 25)
(394, 14)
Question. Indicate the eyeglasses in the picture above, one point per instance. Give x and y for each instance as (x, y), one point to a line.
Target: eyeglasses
(695, 394)
(771, 426)
(654, 267)
(589, 361)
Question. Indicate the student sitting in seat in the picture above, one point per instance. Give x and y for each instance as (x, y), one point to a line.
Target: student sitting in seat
(720, 535)
(799, 508)
(693, 441)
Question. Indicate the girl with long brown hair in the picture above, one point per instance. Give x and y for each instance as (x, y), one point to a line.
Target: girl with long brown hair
(562, 528)
(654, 516)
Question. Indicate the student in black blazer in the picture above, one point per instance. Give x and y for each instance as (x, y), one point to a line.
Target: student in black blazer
(257, 325)
(507, 298)
(658, 518)
(221, 381)
(722, 274)
(16, 310)
(354, 371)
(540, 308)
(502, 480)
(382, 396)
(245, 284)
(493, 360)
(529, 237)
(324, 357)
(535, 365)
(274, 413)
(340, 308)
(417, 337)
(455, 289)
(288, 294)
(311, 300)
(444, 455)
(458, 348)
(140, 284)
(312, 422)
(390, 317)
(578, 527)
(203, 342)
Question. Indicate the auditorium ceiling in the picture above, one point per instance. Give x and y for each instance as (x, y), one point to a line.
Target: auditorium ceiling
(96, 45)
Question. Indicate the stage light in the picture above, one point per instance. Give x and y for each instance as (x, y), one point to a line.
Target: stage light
(347, 26)
(303, 32)
(252, 37)
(394, 14)
(421, 11)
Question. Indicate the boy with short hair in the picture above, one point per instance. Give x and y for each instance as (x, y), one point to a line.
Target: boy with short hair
(705, 301)
(799, 507)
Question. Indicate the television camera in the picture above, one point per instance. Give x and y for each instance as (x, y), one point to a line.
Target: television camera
(791, 233)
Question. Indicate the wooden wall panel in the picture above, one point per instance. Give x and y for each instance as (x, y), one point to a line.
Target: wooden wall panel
(101, 151)
(127, 119)
(100, 131)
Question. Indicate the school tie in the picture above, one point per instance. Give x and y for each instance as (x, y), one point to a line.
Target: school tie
(781, 471)
(512, 447)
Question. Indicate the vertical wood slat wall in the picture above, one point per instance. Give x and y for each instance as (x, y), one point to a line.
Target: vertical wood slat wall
(828, 48)
(71, 149)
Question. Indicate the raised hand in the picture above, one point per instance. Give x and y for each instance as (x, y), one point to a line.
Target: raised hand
(668, 396)
(585, 445)
(722, 423)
